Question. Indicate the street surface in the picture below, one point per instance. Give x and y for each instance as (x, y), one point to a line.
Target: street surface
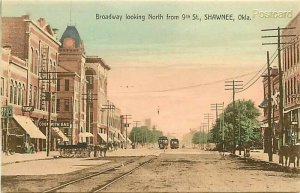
(181, 170)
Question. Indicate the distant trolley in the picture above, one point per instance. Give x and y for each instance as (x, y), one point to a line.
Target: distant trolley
(163, 142)
(174, 143)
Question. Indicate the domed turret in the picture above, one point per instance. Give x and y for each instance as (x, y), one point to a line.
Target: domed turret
(71, 38)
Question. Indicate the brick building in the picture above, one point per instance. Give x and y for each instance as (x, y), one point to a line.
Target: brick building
(291, 76)
(291, 84)
(30, 53)
(71, 85)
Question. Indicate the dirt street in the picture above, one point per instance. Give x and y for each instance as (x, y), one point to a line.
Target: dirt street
(181, 170)
(206, 172)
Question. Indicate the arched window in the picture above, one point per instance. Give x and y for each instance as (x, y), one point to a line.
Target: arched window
(11, 91)
(16, 93)
(32, 60)
(20, 94)
(37, 62)
(50, 69)
(23, 95)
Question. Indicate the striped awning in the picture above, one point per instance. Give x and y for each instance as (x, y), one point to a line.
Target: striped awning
(60, 133)
(86, 134)
(104, 137)
(30, 128)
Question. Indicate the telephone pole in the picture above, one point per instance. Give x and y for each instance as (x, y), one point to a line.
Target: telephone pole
(234, 86)
(203, 125)
(217, 107)
(280, 74)
(136, 124)
(208, 117)
(126, 126)
(89, 101)
(109, 107)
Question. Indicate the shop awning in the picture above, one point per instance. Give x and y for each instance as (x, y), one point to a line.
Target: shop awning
(86, 134)
(122, 138)
(128, 140)
(263, 104)
(117, 140)
(104, 137)
(264, 125)
(30, 128)
(60, 133)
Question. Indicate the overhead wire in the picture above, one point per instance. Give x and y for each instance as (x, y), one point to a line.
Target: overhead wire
(272, 60)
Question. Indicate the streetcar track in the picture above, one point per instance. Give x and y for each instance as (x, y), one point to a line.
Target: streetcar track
(122, 176)
(87, 177)
(105, 171)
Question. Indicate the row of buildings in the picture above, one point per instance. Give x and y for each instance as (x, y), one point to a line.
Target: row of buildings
(290, 62)
(43, 78)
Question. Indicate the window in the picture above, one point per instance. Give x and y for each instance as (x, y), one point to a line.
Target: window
(58, 85)
(32, 60)
(67, 85)
(20, 94)
(297, 52)
(35, 97)
(57, 105)
(37, 62)
(294, 55)
(23, 95)
(16, 93)
(2, 86)
(30, 95)
(11, 91)
(67, 104)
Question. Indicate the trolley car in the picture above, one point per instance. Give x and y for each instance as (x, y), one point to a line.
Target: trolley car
(174, 143)
(163, 142)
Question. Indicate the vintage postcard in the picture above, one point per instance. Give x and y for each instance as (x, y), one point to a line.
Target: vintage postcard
(150, 96)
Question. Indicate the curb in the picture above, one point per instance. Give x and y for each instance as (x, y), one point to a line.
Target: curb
(21, 161)
(272, 164)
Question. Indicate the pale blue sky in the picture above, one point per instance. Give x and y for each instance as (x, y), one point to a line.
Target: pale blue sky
(158, 55)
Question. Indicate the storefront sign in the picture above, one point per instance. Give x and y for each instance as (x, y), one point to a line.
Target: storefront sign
(7, 111)
(44, 123)
(28, 108)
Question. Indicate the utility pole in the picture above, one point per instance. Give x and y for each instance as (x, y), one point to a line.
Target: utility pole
(108, 107)
(136, 124)
(203, 125)
(222, 126)
(217, 107)
(281, 89)
(89, 100)
(126, 126)
(234, 86)
(270, 128)
(208, 117)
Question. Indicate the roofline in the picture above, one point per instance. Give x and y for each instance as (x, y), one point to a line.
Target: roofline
(48, 35)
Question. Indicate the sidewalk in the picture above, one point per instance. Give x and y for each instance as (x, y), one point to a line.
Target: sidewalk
(259, 155)
(18, 157)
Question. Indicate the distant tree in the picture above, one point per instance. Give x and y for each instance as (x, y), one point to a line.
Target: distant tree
(199, 138)
(144, 135)
(244, 118)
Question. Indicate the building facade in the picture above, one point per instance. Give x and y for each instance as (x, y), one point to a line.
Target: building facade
(291, 76)
(30, 55)
(71, 85)
(291, 87)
